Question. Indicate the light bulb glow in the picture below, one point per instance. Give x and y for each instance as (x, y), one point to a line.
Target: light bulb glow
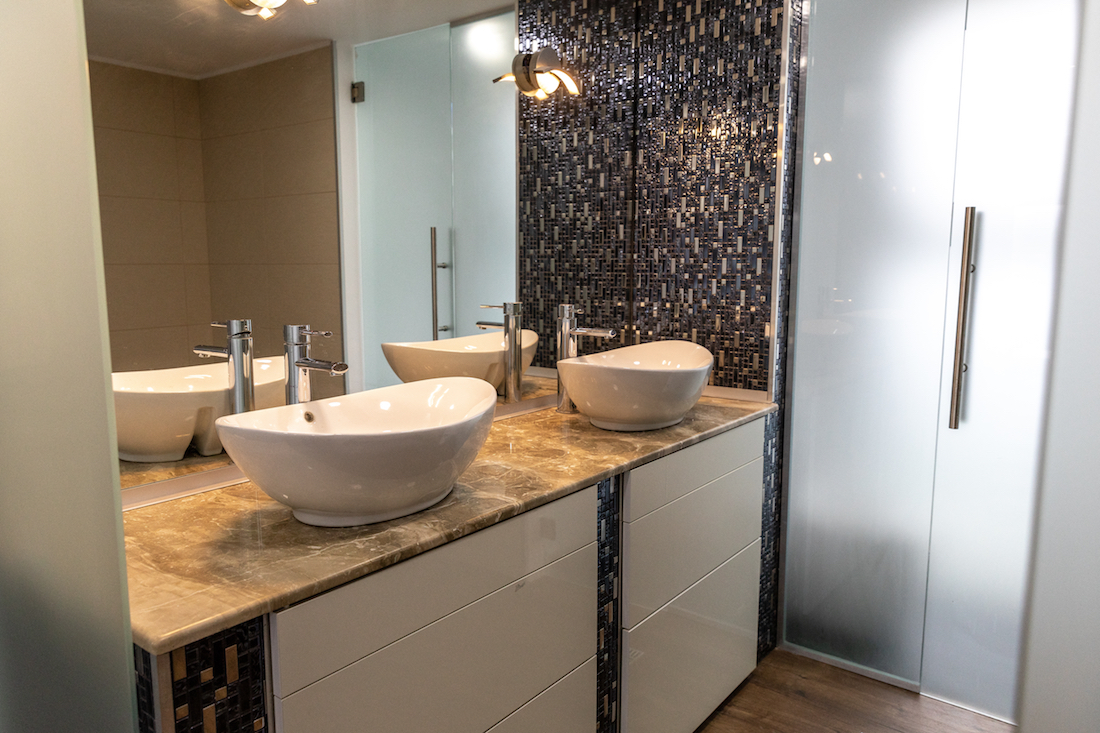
(266, 13)
(570, 85)
(547, 82)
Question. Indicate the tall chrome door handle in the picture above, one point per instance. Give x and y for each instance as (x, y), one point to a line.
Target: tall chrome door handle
(436, 265)
(960, 328)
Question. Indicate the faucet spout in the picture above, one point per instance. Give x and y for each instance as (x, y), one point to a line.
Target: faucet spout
(512, 386)
(238, 350)
(299, 363)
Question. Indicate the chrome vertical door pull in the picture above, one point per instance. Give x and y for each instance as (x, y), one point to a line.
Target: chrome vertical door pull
(960, 328)
(436, 265)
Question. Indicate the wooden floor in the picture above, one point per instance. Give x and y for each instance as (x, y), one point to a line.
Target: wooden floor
(792, 694)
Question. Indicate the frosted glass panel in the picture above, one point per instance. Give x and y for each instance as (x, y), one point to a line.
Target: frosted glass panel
(404, 134)
(484, 127)
(879, 145)
(986, 470)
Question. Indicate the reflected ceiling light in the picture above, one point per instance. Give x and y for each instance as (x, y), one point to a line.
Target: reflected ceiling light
(263, 8)
(539, 74)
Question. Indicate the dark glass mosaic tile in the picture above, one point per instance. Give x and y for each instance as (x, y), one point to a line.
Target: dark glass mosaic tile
(768, 628)
(224, 681)
(608, 504)
(146, 697)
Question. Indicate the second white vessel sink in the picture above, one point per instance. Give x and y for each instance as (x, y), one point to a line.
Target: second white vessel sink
(159, 412)
(480, 356)
(364, 457)
(642, 387)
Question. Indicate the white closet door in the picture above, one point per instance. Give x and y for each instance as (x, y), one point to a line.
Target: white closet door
(879, 151)
(1013, 131)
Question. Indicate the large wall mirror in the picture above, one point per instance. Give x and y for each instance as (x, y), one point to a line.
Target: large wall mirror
(217, 144)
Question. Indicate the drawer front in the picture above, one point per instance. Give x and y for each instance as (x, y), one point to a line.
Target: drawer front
(467, 671)
(671, 548)
(569, 706)
(666, 479)
(684, 660)
(315, 638)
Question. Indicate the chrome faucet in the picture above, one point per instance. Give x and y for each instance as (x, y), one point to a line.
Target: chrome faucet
(511, 387)
(238, 349)
(299, 363)
(567, 347)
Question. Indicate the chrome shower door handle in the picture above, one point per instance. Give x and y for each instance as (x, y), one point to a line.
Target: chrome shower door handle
(960, 328)
(436, 265)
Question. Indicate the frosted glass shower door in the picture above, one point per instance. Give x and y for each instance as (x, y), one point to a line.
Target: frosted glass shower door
(878, 159)
(404, 135)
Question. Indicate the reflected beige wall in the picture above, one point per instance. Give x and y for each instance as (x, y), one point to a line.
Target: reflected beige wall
(153, 215)
(219, 201)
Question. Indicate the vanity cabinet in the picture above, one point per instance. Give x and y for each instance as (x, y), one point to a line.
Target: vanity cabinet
(492, 631)
(691, 580)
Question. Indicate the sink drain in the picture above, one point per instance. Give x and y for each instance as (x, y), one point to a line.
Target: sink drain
(309, 417)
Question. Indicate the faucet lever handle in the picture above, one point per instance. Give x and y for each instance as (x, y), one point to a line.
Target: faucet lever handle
(326, 334)
(492, 306)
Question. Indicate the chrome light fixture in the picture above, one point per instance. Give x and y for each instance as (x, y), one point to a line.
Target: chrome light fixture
(263, 8)
(539, 74)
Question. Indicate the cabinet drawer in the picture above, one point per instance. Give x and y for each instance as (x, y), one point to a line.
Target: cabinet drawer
(666, 479)
(671, 548)
(319, 636)
(467, 671)
(684, 660)
(569, 706)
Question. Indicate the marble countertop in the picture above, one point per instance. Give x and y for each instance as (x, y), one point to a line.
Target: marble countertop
(203, 563)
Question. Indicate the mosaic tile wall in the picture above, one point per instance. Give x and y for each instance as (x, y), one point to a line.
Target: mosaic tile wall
(575, 172)
(768, 629)
(608, 504)
(146, 696)
(649, 201)
(218, 682)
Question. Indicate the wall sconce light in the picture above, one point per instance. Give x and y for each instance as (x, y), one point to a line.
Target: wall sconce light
(539, 74)
(263, 8)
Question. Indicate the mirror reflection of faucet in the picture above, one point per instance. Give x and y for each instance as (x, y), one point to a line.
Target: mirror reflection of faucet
(299, 363)
(512, 386)
(567, 333)
(238, 350)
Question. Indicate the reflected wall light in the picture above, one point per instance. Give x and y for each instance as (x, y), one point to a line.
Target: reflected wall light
(263, 8)
(539, 74)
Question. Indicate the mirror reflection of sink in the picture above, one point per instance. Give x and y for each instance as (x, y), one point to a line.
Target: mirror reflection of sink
(641, 387)
(364, 457)
(159, 412)
(480, 356)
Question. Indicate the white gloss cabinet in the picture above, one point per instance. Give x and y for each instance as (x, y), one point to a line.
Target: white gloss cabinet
(495, 628)
(691, 580)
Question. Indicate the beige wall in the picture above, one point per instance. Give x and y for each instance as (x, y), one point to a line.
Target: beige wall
(269, 161)
(149, 166)
(218, 201)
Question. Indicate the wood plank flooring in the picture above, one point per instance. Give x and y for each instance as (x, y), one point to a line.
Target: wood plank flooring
(791, 694)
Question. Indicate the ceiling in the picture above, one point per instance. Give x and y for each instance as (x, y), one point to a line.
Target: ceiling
(200, 38)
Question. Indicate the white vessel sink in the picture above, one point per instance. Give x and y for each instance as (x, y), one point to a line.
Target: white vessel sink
(642, 387)
(480, 356)
(364, 457)
(159, 412)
